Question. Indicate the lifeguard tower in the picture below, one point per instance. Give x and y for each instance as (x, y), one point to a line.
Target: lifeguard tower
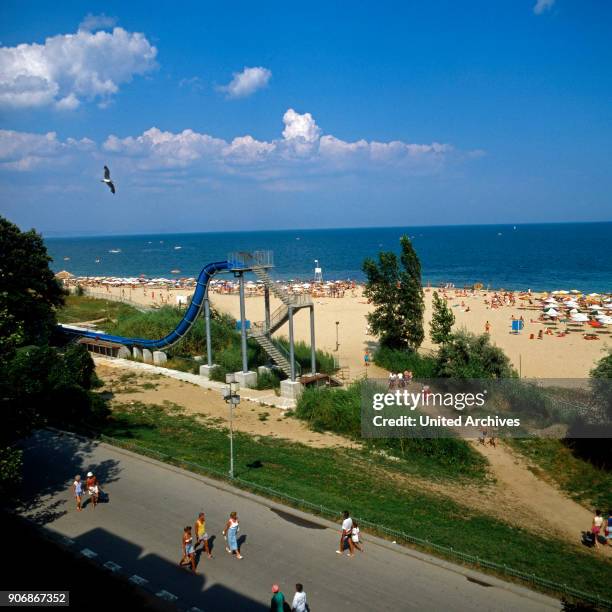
(318, 272)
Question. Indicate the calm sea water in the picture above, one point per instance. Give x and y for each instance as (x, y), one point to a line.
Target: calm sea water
(540, 257)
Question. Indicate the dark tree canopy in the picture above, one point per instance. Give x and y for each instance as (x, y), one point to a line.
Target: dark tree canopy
(394, 287)
(29, 292)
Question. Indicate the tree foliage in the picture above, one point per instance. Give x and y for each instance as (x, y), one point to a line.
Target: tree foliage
(394, 287)
(468, 355)
(442, 320)
(39, 384)
(29, 292)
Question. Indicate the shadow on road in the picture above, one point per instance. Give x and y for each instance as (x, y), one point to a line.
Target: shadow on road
(191, 589)
(39, 485)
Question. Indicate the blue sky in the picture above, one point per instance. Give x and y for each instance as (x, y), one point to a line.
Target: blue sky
(275, 115)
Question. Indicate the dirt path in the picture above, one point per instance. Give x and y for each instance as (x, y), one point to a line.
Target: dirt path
(543, 501)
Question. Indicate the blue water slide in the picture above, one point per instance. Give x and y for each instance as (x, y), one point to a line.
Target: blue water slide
(191, 315)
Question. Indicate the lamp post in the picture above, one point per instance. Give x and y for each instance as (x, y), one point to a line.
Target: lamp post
(233, 399)
(337, 343)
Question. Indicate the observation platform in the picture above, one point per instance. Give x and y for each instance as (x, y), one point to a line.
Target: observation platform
(244, 261)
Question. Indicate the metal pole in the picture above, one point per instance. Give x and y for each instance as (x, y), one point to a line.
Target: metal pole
(267, 307)
(207, 321)
(291, 346)
(243, 331)
(313, 352)
(231, 472)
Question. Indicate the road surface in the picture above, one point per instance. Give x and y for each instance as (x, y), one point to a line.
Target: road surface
(139, 529)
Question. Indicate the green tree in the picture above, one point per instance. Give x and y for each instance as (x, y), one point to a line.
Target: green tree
(394, 287)
(442, 321)
(29, 292)
(38, 384)
(467, 355)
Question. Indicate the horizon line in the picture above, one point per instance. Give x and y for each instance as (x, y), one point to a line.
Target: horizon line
(46, 235)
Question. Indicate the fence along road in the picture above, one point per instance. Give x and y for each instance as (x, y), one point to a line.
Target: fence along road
(140, 529)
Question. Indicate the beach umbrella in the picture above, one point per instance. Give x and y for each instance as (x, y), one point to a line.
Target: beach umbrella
(551, 312)
(580, 317)
(551, 300)
(573, 311)
(596, 307)
(64, 275)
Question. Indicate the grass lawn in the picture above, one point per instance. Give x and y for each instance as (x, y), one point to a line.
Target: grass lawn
(321, 476)
(580, 479)
(82, 308)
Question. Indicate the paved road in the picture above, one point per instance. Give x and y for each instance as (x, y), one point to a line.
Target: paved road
(140, 530)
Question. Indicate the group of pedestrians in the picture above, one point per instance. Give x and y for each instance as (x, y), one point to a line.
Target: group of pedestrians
(198, 536)
(349, 535)
(280, 604)
(400, 380)
(602, 527)
(91, 488)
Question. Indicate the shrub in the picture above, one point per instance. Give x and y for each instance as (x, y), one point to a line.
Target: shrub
(468, 355)
(397, 360)
(325, 361)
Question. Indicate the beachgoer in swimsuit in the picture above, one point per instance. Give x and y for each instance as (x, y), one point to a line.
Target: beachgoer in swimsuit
(201, 535)
(77, 487)
(188, 557)
(92, 488)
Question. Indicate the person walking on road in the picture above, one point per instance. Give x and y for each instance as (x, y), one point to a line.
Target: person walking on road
(93, 488)
(231, 535)
(201, 535)
(77, 487)
(355, 537)
(299, 603)
(188, 557)
(277, 603)
(345, 534)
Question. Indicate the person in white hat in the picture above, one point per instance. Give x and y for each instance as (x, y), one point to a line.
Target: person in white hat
(92, 488)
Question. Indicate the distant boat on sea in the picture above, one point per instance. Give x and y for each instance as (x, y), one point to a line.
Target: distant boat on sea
(97, 260)
(115, 251)
(66, 258)
(178, 248)
(175, 271)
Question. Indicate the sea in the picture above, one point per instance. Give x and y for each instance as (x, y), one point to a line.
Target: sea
(542, 257)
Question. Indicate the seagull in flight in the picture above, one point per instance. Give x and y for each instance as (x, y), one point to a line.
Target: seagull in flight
(107, 179)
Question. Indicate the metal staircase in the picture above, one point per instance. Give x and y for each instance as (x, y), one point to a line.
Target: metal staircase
(262, 333)
(266, 279)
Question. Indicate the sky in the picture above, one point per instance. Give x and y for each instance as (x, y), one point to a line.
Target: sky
(237, 116)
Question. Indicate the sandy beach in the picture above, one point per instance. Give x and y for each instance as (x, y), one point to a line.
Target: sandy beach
(553, 356)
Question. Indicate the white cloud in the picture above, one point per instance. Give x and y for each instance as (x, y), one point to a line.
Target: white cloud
(542, 6)
(247, 82)
(91, 23)
(300, 155)
(69, 68)
(25, 151)
(192, 82)
(70, 102)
